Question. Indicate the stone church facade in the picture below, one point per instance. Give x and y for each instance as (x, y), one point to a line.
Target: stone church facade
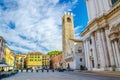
(101, 37)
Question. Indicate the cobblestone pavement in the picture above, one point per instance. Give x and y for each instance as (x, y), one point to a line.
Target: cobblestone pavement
(59, 76)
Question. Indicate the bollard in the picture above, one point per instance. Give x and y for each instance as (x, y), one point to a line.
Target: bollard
(21, 70)
(32, 70)
(47, 70)
(53, 70)
(36, 70)
(17, 70)
(42, 70)
(27, 70)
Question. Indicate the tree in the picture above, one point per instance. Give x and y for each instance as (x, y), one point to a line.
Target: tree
(54, 52)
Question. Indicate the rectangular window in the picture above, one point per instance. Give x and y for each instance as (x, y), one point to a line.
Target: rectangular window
(31, 60)
(79, 50)
(21, 60)
(39, 59)
(90, 41)
(114, 1)
(80, 59)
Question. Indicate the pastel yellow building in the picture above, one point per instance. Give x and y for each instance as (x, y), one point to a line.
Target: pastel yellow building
(9, 58)
(45, 61)
(34, 60)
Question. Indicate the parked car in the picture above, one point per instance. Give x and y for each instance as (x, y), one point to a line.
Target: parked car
(70, 70)
(1, 76)
(61, 70)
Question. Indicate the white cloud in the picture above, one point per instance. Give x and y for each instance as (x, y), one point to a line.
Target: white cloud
(78, 29)
(37, 25)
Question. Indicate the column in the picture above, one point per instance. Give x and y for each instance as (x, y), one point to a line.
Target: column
(102, 58)
(0, 43)
(117, 52)
(104, 47)
(86, 59)
(116, 62)
(106, 4)
(92, 9)
(88, 56)
(96, 6)
(100, 7)
(119, 43)
(109, 46)
(103, 5)
(94, 51)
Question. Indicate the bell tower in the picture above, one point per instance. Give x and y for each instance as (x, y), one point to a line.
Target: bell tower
(67, 32)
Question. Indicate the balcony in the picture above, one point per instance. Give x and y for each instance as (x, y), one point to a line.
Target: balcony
(69, 58)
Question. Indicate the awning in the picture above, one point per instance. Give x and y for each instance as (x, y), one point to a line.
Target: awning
(3, 65)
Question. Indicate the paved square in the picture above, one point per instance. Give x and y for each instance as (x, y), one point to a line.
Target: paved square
(59, 76)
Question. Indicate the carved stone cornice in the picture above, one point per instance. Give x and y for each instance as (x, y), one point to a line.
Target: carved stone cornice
(113, 36)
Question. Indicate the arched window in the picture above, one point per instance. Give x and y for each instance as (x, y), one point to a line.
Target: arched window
(68, 19)
(90, 41)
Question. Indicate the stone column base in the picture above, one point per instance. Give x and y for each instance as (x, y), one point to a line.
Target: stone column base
(98, 69)
(117, 69)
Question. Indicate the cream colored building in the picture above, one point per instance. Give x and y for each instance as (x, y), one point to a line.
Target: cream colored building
(2, 50)
(71, 46)
(102, 35)
(77, 57)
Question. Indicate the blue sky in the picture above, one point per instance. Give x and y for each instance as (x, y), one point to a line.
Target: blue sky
(34, 25)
